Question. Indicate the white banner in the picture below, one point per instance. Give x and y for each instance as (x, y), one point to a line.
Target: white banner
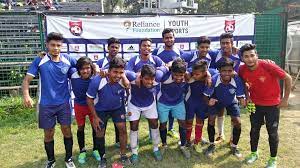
(87, 35)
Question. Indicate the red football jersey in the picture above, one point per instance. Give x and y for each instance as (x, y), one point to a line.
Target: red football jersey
(263, 82)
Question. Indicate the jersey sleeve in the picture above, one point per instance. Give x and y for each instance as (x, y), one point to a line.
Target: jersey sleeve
(160, 72)
(71, 72)
(274, 69)
(130, 64)
(240, 91)
(208, 91)
(213, 71)
(34, 67)
(93, 87)
(158, 62)
(73, 62)
(213, 55)
(186, 56)
(154, 52)
(131, 76)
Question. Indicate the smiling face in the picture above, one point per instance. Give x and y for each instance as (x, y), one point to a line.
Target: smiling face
(226, 73)
(199, 74)
(115, 74)
(145, 48)
(113, 49)
(178, 77)
(169, 39)
(203, 49)
(85, 71)
(148, 81)
(226, 45)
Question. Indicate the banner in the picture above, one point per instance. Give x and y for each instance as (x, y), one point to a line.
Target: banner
(86, 36)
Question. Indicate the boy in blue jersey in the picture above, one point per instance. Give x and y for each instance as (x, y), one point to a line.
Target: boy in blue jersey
(225, 92)
(143, 102)
(113, 46)
(108, 94)
(170, 100)
(194, 101)
(203, 52)
(53, 103)
(167, 54)
(227, 52)
(80, 78)
(135, 63)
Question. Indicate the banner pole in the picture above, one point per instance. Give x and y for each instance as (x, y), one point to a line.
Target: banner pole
(42, 38)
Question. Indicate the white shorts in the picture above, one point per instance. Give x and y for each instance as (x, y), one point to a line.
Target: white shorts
(134, 112)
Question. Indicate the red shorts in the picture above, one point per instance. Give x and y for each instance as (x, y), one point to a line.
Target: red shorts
(81, 111)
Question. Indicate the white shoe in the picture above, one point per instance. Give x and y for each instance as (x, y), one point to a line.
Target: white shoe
(70, 163)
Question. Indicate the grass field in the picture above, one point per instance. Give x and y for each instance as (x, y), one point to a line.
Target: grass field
(21, 143)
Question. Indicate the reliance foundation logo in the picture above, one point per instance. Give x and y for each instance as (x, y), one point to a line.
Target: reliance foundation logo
(141, 26)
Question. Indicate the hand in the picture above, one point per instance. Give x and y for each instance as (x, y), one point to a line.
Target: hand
(235, 50)
(169, 64)
(138, 79)
(187, 76)
(42, 54)
(283, 103)
(208, 80)
(96, 123)
(27, 101)
(270, 61)
(212, 102)
(103, 73)
(243, 102)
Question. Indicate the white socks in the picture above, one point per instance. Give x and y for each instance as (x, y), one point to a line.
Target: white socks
(134, 141)
(220, 124)
(155, 138)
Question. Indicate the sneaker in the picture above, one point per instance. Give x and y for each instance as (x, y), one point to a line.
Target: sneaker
(185, 151)
(117, 144)
(272, 163)
(164, 149)
(210, 150)
(102, 163)
(82, 157)
(235, 151)
(125, 160)
(70, 163)
(50, 164)
(219, 139)
(172, 133)
(204, 142)
(252, 158)
(157, 155)
(189, 144)
(96, 155)
(134, 158)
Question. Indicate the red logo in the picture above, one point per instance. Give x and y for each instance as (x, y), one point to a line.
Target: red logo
(75, 27)
(229, 26)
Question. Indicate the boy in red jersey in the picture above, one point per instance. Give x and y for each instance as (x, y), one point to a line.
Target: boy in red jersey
(262, 81)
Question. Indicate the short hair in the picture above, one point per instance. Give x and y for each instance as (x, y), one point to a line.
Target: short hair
(247, 47)
(200, 65)
(148, 70)
(203, 39)
(84, 61)
(145, 39)
(113, 40)
(178, 66)
(225, 63)
(54, 36)
(167, 30)
(117, 62)
(226, 35)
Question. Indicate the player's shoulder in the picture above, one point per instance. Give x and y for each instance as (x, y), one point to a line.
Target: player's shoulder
(66, 58)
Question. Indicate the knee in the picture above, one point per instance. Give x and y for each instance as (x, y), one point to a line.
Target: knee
(134, 127)
(163, 126)
(122, 129)
(49, 134)
(66, 130)
(153, 125)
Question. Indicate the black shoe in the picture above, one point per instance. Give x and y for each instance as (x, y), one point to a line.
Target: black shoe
(102, 163)
(235, 151)
(125, 160)
(50, 164)
(210, 150)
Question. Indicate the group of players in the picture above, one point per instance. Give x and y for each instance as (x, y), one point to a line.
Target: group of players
(161, 85)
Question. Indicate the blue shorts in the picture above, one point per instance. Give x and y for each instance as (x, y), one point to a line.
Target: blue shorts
(48, 114)
(117, 115)
(177, 111)
(232, 110)
(200, 110)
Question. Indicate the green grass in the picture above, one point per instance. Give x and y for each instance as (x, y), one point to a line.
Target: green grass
(21, 143)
